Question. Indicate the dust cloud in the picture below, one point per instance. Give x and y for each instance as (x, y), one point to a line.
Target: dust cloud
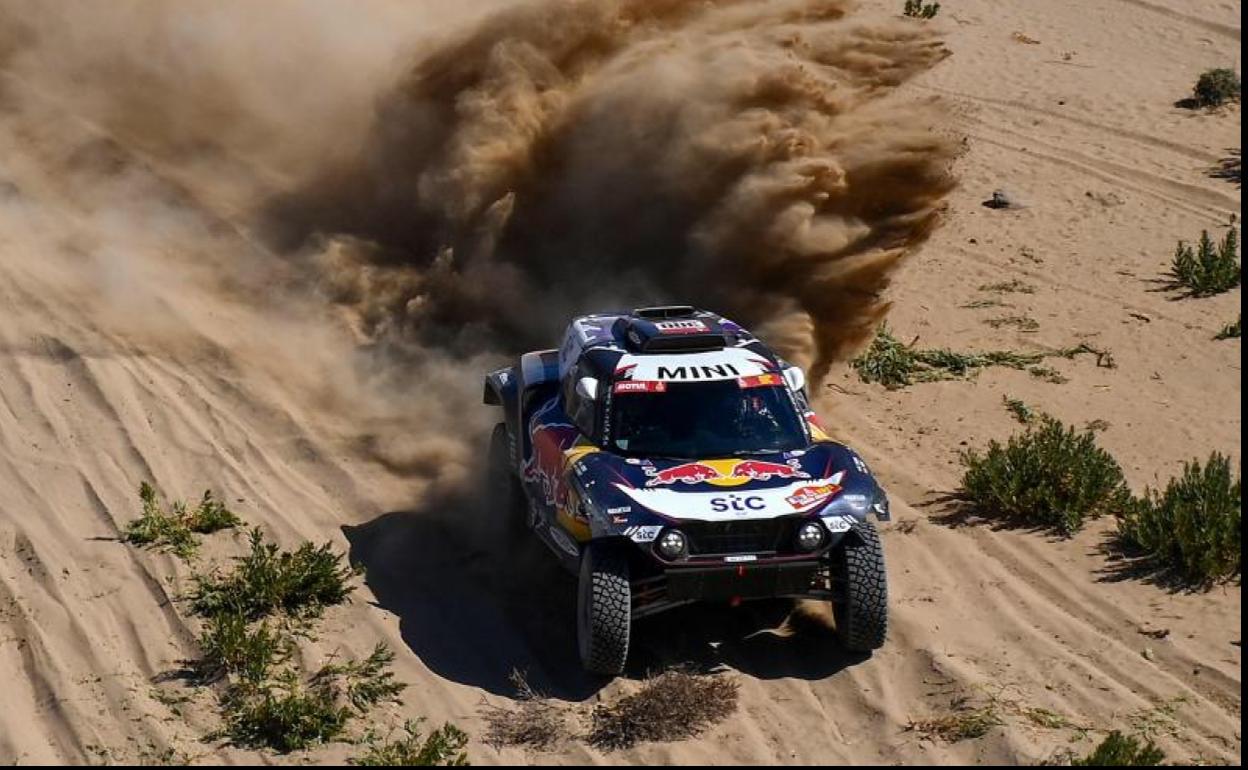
(390, 197)
(562, 157)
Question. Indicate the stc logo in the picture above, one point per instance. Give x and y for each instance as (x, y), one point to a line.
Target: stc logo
(737, 503)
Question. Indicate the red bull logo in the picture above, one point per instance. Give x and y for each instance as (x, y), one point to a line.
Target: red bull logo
(761, 470)
(545, 466)
(685, 473)
(724, 473)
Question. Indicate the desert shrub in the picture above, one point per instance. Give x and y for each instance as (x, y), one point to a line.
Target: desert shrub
(1021, 322)
(285, 713)
(963, 724)
(1192, 527)
(229, 646)
(534, 722)
(363, 683)
(669, 707)
(176, 528)
(1229, 332)
(1023, 413)
(1209, 268)
(1215, 87)
(920, 10)
(894, 364)
(1049, 476)
(1013, 286)
(300, 583)
(1118, 749)
(443, 747)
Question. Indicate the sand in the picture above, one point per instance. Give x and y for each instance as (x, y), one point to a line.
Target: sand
(146, 333)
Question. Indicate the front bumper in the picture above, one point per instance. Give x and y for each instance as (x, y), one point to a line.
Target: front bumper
(731, 583)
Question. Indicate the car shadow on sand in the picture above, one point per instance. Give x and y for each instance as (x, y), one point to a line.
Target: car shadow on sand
(477, 600)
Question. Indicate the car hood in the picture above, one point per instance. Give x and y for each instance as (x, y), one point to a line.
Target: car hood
(759, 486)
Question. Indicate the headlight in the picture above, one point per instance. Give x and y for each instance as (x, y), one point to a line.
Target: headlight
(810, 536)
(671, 544)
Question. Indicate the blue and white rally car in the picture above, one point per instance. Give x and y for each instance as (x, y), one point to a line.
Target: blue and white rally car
(668, 456)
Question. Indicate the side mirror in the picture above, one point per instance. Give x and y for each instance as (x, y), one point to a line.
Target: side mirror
(587, 388)
(796, 378)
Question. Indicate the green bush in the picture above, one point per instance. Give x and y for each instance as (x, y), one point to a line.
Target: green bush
(1192, 527)
(300, 583)
(443, 747)
(1117, 749)
(1021, 411)
(1229, 332)
(228, 646)
(1209, 269)
(284, 713)
(895, 364)
(1049, 476)
(176, 529)
(1216, 87)
(920, 10)
(363, 683)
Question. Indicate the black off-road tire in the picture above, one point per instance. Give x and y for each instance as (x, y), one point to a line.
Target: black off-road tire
(603, 609)
(506, 493)
(861, 611)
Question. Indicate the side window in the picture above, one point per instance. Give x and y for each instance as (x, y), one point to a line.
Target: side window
(579, 410)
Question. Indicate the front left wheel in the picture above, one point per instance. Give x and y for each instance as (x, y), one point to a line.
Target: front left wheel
(861, 610)
(603, 609)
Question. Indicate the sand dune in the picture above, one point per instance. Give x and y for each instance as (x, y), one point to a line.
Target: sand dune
(152, 328)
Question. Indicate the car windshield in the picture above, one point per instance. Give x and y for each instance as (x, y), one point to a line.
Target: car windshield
(705, 420)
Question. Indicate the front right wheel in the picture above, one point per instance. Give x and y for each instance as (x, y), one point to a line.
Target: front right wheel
(861, 608)
(603, 609)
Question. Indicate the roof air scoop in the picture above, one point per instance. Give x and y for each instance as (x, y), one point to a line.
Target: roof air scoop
(664, 311)
(676, 333)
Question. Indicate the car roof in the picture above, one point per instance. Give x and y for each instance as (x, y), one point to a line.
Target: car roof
(671, 343)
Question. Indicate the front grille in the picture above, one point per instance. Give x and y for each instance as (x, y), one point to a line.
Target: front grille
(714, 538)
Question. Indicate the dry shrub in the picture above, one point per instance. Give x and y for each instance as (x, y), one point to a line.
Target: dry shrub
(669, 707)
(534, 721)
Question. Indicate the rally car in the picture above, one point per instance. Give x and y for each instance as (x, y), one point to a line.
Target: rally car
(667, 456)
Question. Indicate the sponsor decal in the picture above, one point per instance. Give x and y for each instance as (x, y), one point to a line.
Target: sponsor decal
(621, 509)
(740, 558)
(564, 542)
(681, 327)
(817, 431)
(645, 534)
(805, 497)
(838, 524)
(705, 372)
(710, 366)
(545, 465)
(710, 504)
(759, 381)
(639, 386)
(724, 473)
(737, 503)
(619, 519)
(858, 463)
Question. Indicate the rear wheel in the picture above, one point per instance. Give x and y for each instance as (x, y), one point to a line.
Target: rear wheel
(861, 610)
(505, 489)
(603, 609)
